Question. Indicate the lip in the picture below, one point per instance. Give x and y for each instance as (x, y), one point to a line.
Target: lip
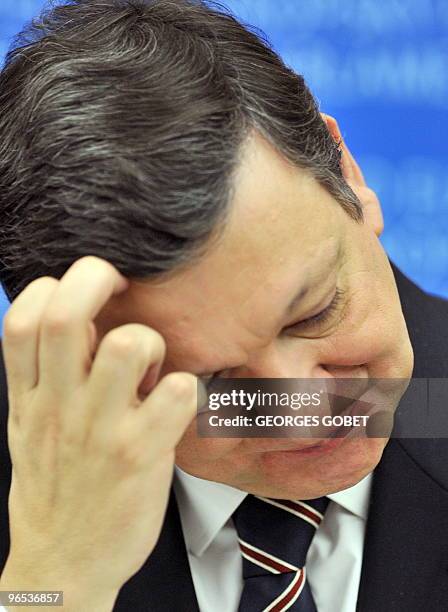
(333, 439)
(323, 446)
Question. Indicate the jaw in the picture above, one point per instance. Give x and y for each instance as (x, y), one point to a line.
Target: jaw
(289, 475)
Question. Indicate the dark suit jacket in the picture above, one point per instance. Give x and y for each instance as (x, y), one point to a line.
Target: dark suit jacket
(405, 563)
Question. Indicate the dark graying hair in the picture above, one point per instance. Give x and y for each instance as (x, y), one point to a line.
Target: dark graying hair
(121, 125)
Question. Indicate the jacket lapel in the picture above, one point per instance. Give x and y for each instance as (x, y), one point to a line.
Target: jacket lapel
(405, 562)
(406, 547)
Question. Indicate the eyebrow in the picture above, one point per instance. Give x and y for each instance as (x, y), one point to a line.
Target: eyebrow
(301, 293)
(290, 308)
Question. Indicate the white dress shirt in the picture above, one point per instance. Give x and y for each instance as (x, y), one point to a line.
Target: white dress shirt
(333, 562)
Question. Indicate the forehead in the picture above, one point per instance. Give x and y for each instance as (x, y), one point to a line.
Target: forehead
(283, 232)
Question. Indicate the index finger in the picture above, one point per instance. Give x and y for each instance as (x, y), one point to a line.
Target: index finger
(65, 347)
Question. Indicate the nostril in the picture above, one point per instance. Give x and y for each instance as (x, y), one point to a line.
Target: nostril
(348, 383)
(347, 371)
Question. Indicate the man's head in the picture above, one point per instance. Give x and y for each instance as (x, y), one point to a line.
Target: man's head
(122, 123)
(169, 140)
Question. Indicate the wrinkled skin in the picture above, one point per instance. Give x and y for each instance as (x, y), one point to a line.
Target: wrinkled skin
(227, 313)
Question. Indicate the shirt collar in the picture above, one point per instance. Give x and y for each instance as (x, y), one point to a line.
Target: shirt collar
(205, 506)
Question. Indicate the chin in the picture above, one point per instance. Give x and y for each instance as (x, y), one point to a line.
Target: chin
(296, 476)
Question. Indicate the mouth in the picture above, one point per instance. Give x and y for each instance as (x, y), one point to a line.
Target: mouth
(348, 412)
(333, 438)
(323, 446)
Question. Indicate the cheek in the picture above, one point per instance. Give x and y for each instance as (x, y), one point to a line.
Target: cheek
(381, 344)
(198, 455)
(370, 342)
(373, 332)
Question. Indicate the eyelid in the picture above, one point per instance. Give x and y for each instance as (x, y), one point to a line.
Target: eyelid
(321, 316)
(309, 322)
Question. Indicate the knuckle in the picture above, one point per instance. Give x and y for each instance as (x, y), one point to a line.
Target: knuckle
(121, 341)
(152, 338)
(56, 321)
(17, 321)
(133, 337)
(128, 456)
(73, 438)
(45, 280)
(88, 261)
(16, 325)
(42, 282)
(181, 384)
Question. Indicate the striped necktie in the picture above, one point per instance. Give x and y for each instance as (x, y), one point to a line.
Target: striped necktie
(274, 537)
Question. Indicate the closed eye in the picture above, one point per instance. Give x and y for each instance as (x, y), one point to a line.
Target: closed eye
(305, 324)
(321, 317)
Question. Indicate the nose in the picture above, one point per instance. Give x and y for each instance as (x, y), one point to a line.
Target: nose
(302, 361)
(274, 361)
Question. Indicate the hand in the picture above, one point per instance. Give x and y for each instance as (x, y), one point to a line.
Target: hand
(92, 464)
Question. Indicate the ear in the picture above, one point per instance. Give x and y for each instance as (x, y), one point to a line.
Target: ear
(371, 206)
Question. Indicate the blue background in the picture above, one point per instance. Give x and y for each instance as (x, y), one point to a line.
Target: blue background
(381, 68)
